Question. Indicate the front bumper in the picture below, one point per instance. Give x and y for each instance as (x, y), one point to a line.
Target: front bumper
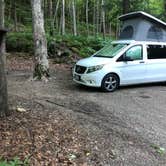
(93, 79)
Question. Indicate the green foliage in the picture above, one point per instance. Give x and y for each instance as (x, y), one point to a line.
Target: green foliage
(81, 45)
(20, 42)
(15, 162)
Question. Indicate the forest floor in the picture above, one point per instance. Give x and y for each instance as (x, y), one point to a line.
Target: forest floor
(61, 123)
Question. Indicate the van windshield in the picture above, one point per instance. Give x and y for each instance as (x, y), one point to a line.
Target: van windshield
(110, 51)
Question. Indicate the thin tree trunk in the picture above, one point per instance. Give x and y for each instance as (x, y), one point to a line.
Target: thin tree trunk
(94, 17)
(15, 16)
(2, 21)
(165, 8)
(110, 29)
(2, 24)
(87, 16)
(9, 10)
(45, 8)
(50, 9)
(50, 14)
(74, 18)
(103, 18)
(126, 6)
(55, 19)
(117, 29)
(97, 18)
(40, 43)
(63, 17)
(2, 9)
(3, 82)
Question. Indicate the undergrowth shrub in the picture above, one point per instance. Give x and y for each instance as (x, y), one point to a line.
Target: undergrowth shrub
(19, 42)
(81, 45)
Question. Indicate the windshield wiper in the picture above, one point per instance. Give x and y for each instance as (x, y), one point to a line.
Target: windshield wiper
(102, 56)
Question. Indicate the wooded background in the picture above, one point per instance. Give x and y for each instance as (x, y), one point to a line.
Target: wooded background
(82, 24)
(89, 17)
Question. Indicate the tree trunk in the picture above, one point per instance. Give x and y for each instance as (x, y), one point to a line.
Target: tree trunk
(94, 17)
(3, 82)
(2, 24)
(63, 17)
(55, 18)
(50, 9)
(2, 9)
(87, 16)
(165, 9)
(126, 6)
(2, 21)
(97, 18)
(40, 43)
(50, 15)
(15, 16)
(110, 29)
(103, 18)
(3, 86)
(74, 18)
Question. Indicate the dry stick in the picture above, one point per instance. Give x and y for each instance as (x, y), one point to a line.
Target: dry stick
(55, 103)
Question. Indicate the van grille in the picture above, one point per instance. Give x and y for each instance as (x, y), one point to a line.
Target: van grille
(80, 69)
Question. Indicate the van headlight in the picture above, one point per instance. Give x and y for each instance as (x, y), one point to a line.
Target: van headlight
(94, 68)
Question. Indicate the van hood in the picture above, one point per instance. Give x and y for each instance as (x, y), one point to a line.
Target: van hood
(94, 61)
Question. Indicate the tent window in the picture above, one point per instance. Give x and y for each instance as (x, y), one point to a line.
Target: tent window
(127, 32)
(155, 33)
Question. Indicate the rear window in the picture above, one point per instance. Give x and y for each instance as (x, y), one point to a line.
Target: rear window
(156, 51)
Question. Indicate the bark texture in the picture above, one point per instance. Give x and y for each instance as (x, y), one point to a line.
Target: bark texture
(87, 16)
(2, 23)
(97, 17)
(74, 18)
(40, 42)
(103, 18)
(63, 17)
(3, 83)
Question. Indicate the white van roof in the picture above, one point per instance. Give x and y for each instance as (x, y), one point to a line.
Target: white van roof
(137, 42)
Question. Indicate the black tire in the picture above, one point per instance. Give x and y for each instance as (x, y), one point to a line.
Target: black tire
(110, 82)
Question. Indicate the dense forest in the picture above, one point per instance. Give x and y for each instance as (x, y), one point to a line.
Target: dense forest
(78, 16)
(75, 20)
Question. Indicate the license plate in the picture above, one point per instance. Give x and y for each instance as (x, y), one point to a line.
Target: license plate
(77, 77)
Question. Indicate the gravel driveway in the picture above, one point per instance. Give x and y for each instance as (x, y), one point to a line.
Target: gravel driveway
(125, 128)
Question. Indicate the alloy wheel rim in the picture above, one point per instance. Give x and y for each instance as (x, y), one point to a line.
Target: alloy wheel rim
(110, 83)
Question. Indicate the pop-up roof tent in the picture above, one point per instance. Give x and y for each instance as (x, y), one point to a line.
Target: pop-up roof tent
(141, 26)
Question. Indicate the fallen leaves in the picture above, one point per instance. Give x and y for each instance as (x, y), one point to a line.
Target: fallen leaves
(42, 137)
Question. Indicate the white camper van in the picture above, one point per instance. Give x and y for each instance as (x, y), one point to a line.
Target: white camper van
(123, 63)
(138, 57)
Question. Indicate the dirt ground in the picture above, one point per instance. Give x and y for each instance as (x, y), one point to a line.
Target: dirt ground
(69, 124)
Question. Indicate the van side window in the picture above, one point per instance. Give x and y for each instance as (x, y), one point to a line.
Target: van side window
(135, 53)
(156, 51)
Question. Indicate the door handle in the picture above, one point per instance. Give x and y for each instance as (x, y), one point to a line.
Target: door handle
(142, 62)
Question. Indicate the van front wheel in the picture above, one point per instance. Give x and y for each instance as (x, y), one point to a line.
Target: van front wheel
(110, 83)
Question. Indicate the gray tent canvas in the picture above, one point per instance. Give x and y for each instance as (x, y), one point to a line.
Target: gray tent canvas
(141, 26)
